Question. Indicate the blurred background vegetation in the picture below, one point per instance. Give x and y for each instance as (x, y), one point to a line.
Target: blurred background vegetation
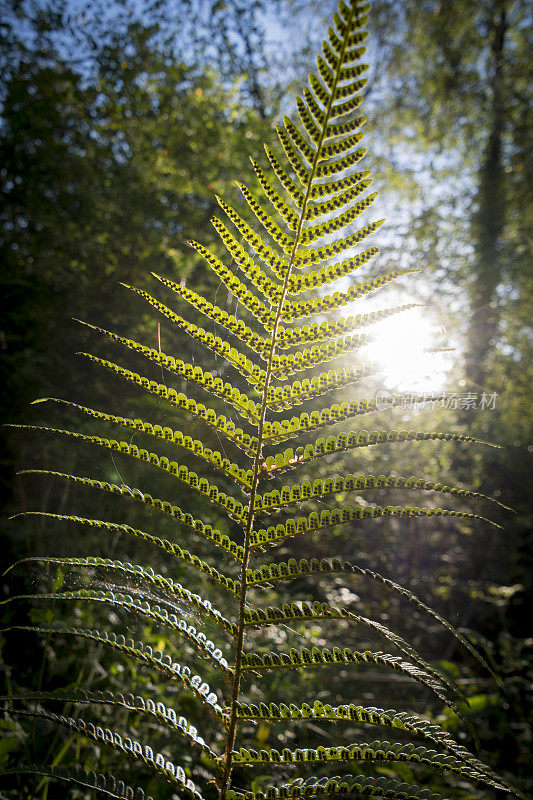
(119, 122)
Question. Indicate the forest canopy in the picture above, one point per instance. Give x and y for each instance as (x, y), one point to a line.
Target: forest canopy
(120, 122)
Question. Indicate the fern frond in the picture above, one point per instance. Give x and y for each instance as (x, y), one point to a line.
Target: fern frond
(276, 432)
(286, 571)
(337, 223)
(136, 570)
(163, 506)
(271, 227)
(302, 170)
(232, 507)
(242, 404)
(359, 182)
(391, 719)
(321, 305)
(331, 189)
(345, 441)
(300, 143)
(259, 617)
(189, 372)
(131, 748)
(378, 751)
(239, 290)
(292, 245)
(307, 258)
(318, 92)
(343, 128)
(208, 415)
(260, 247)
(286, 365)
(314, 108)
(341, 146)
(138, 602)
(167, 585)
(351, 31)
(348, 73)
(332, 57)
(304, 658)
(298, 493)
(140, 652)
(311, 280)
(290, 187)
(236, 474)
(401, 720)
(307, 334)
(341, 44)
(244, 366)
(306, 118)
(285, 211)
(104, 784)
(289, 395)
(352, 104)
(163, 544)
(259, 278)
(165, 715)
(335, 168)
(338, 787)
(329, 517)
(239, 328)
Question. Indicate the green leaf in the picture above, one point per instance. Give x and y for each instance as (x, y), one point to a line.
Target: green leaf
(243, 332)
(239, 361)
(284, 179)
(320, 305)
(345, 441)
(131, 748)
(283, 571)
(309, 659)
(359, 183)
(297, 493)
(285, 241)
(329, 517)
(310, 235)
(378, 751)
(163, 506)
(168, 547)
(256, 275)
(104, 784)
(140, 652)
(176, 366)
(288, 429)
(289, 395)
(138, 603)
(237, 475)
(165, 715)
(338, 787)
(286, 365)
(288, 215)
(323, 150)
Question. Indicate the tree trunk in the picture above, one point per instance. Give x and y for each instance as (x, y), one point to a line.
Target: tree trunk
(488, 221)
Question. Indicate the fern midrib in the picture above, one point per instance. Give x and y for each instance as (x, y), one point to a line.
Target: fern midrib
(239, 642)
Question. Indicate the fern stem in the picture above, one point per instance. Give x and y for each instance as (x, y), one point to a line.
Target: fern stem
(239, 640)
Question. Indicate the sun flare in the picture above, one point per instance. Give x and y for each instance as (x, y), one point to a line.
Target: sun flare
(405, 348)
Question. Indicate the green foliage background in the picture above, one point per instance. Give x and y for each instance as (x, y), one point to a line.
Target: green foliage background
(112, 145)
